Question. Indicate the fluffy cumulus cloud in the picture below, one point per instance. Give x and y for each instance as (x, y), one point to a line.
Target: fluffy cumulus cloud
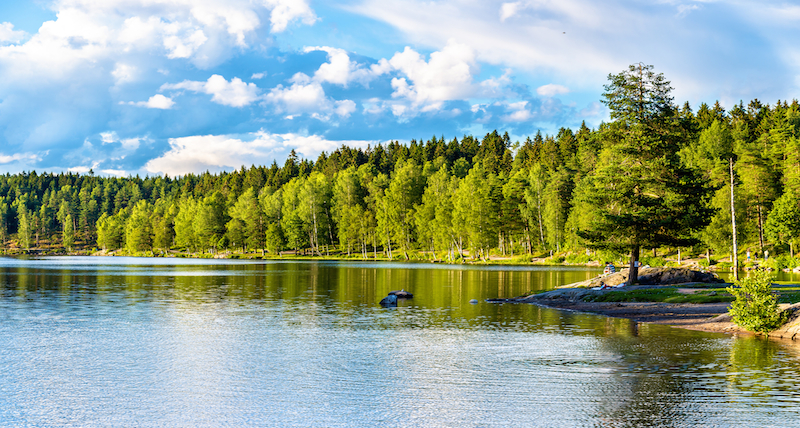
(9, 35)
(581, 41)
(157, 101)
(224, 152)
(96, 61)
(448, 75)
(235, 93)
(306, 96)
(286, 11)
(185, 85)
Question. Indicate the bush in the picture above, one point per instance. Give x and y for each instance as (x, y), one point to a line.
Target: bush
(773, 263)
(705, 263)
(581, 259)
(725, 265)
(652, 261)
(755, 306)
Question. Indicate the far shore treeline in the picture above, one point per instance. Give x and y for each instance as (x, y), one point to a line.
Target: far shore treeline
(446, 199)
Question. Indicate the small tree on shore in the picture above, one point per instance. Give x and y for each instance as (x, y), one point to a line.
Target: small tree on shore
(756, 306)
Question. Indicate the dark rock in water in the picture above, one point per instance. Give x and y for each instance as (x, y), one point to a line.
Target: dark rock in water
(390, 300)
(401, 294)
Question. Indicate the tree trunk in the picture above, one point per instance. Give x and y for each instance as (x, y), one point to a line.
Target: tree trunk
(760, 229)
(733, 227)
(633, 268)
(539, 211)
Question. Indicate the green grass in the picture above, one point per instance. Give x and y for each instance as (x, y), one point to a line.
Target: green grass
(666, 295)
(790, 298)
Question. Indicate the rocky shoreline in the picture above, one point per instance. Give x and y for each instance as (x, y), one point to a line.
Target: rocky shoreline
(710, 317)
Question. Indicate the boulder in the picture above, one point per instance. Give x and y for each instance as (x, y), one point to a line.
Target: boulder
(388, 301)
(651, 276)
(401, 294)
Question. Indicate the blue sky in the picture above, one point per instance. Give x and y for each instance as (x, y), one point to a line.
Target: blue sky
(177, 86)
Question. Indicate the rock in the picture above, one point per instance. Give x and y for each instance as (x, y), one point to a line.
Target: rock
(401, 294)
(651, 276)
(388, 301)
(473, 301)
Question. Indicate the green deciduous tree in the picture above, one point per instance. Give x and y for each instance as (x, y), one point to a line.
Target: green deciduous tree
(783, 222)
(68, 233)
(139, 228)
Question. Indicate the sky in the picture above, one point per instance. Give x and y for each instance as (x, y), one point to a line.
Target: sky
(153, 87)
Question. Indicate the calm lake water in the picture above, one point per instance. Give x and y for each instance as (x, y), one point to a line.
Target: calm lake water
(123, 342)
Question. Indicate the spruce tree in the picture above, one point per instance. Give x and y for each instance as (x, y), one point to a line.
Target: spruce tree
(643, 195)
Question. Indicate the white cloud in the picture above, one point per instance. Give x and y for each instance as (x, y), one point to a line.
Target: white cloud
(339, 68)
(258, 76)
(19, 157)
(111, 137)
(518, 112)
(551, 90)
(344, 108)
(89, 32)
(235, 93)
(685, 9)
(507, 10)
(307, 96)
(221, 152)
(9, 35)
(447, 75)
(300, 97)
(286, 11)
(124, 73)
(157, 101)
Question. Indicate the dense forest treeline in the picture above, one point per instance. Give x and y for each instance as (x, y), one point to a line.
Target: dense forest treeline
(446, 198)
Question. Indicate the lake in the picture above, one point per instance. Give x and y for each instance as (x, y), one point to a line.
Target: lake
(102, 342)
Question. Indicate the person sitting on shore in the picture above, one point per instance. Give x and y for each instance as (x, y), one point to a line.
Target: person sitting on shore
(609, 269)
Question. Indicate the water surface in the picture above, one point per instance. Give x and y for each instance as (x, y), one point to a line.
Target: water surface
(176, 342)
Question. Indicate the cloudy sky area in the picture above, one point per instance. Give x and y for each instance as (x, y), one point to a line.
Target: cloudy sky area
(178, 86)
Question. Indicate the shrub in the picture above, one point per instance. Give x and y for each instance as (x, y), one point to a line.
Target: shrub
(773, 263)
(705, 263)
(725, 265)
(755, 306)
(577, 259)
(652, 261)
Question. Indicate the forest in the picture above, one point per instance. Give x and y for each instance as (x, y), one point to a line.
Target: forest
(657, 177)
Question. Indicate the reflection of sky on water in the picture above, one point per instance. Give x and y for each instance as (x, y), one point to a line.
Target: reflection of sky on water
(305, 344)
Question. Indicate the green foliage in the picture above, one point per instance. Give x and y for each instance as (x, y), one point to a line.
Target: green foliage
(666, 295)
(756, 306)
(774, 263)
(652, 261)
(644, 195)
(783, 222)
(704, 262)
(580, 258)
(645, 295)
(638, 181)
